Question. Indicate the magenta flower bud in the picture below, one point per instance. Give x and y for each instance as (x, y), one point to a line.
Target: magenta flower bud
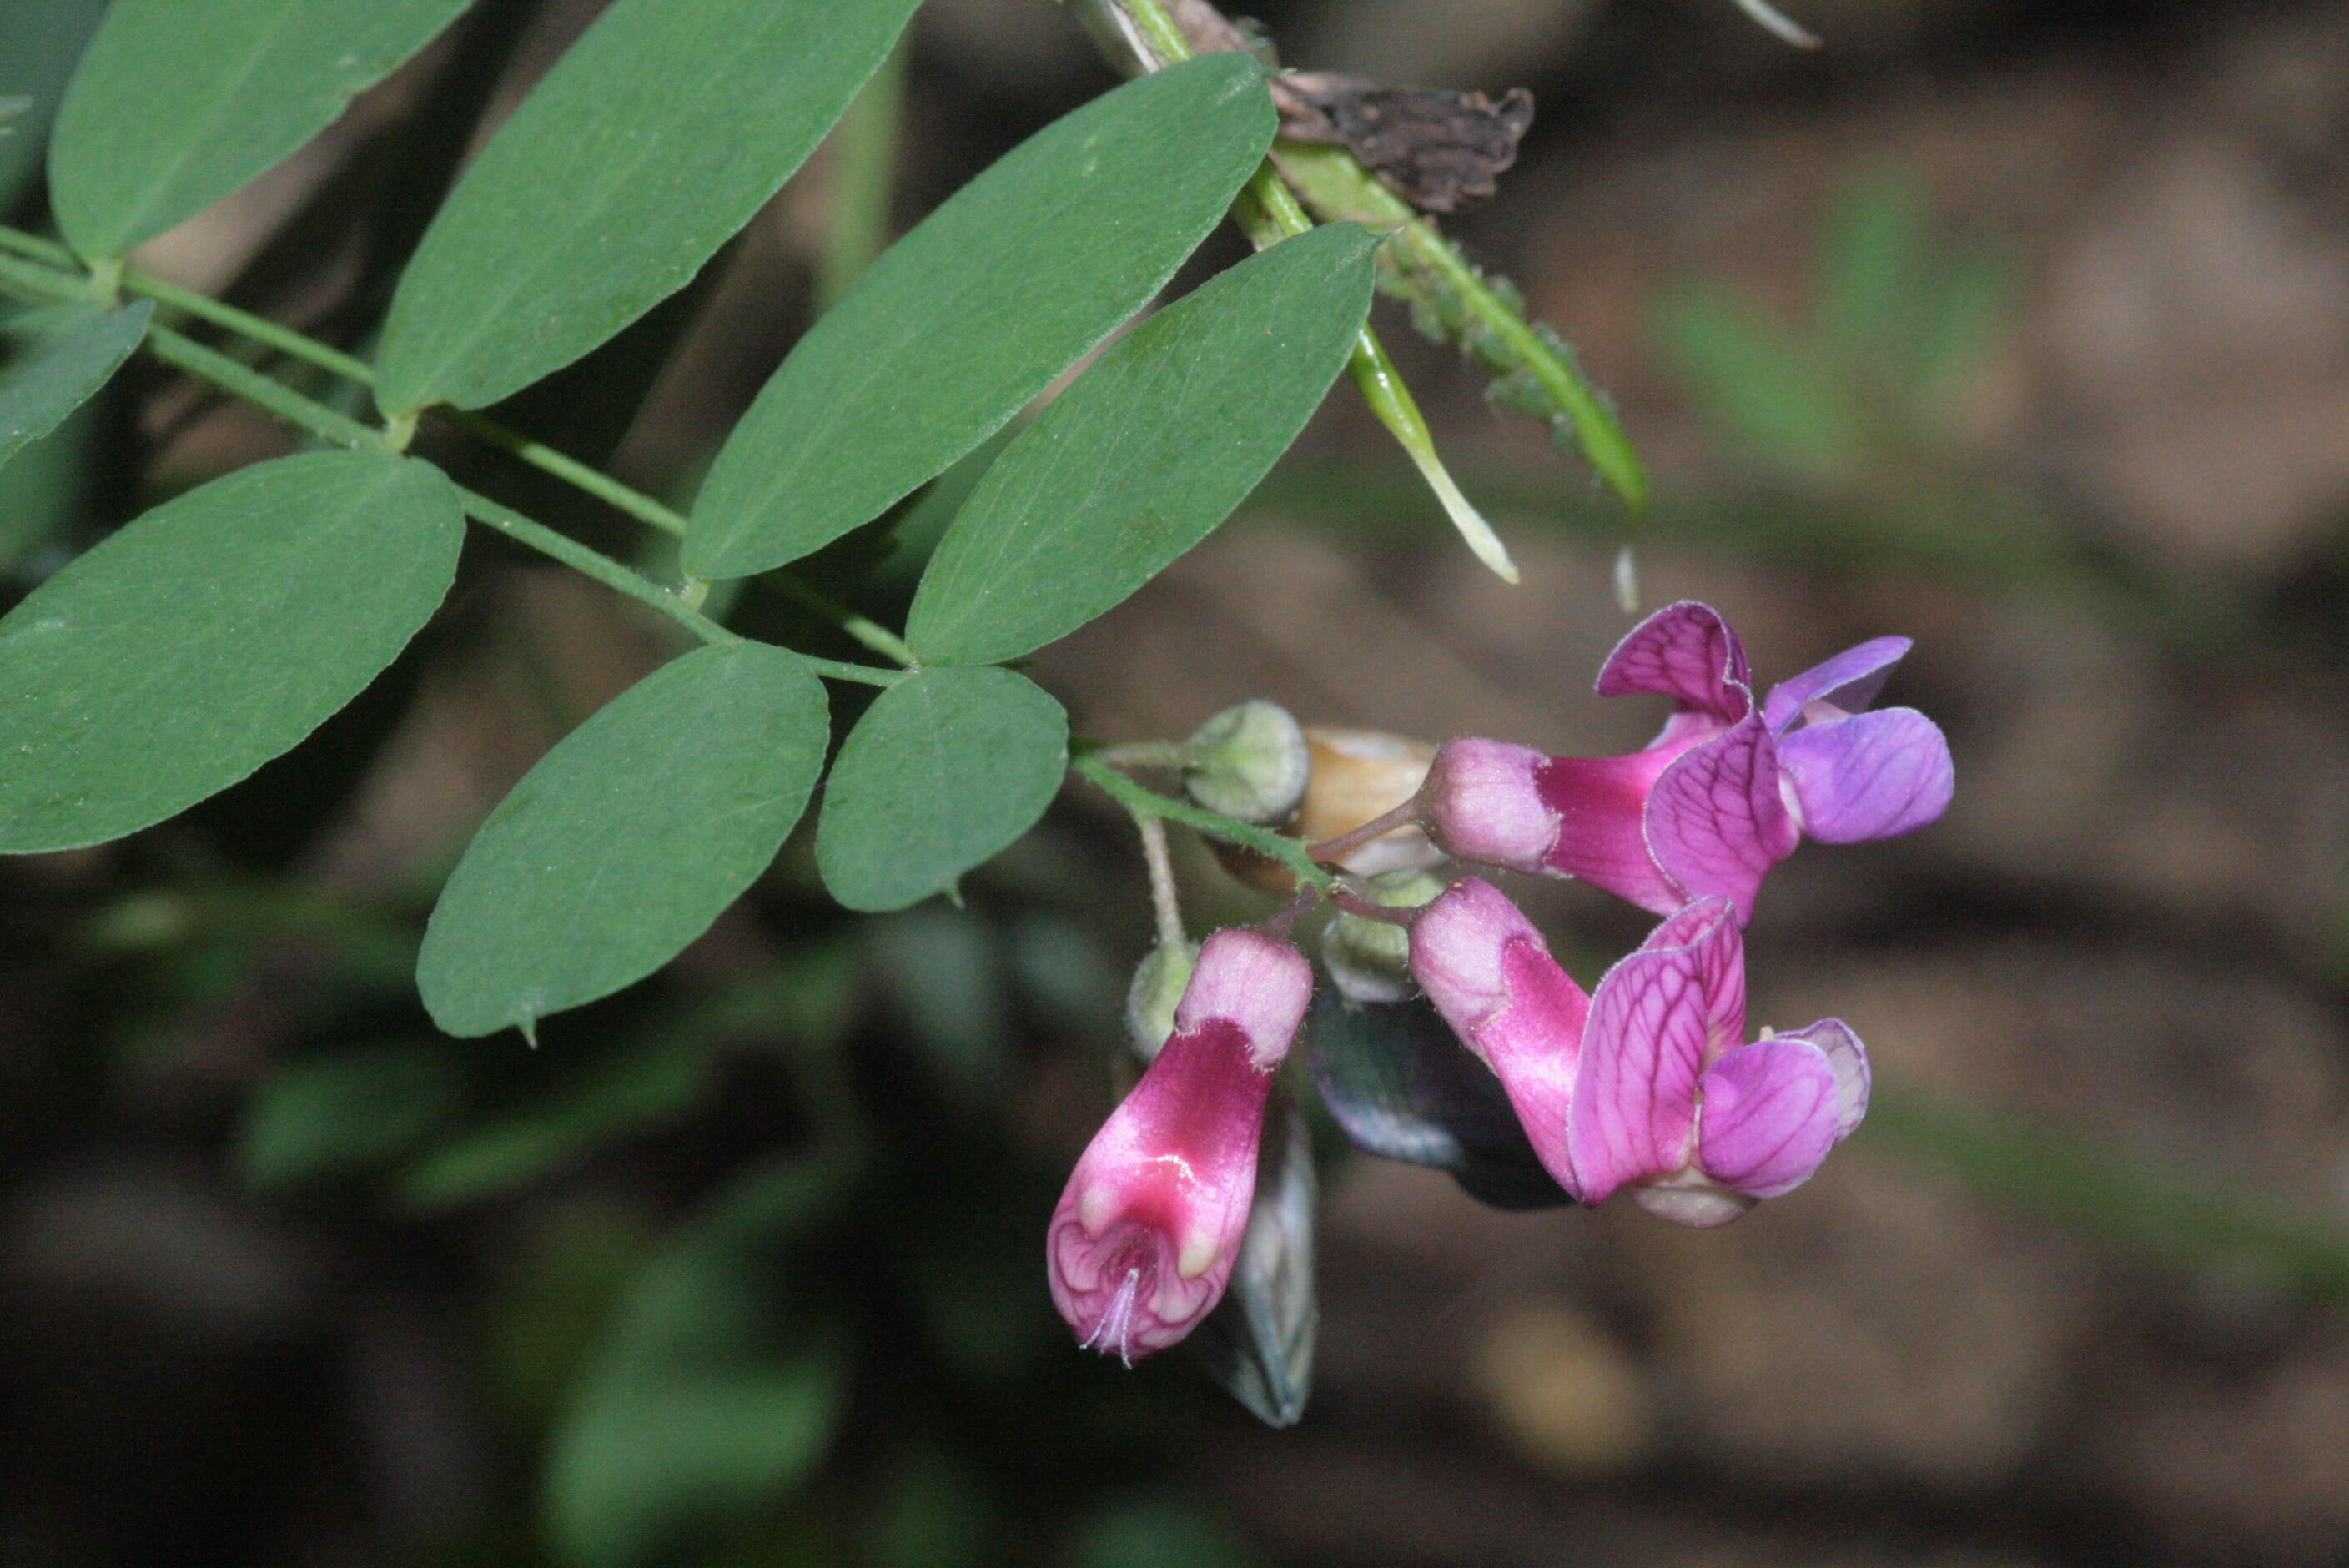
(1143, 1242)
(1489, 972)
(1724, 793)
(1670, 1101)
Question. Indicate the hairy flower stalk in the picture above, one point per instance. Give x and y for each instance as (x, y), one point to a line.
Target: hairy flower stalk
(1143, 1242)
(1724, 793)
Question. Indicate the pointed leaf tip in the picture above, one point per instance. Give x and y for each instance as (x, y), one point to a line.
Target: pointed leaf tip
(1478, 534)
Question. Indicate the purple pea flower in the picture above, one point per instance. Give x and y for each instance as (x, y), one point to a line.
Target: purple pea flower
(1645, 1082)
(1673, 1102)
(1143, 1242)
(1724, 793)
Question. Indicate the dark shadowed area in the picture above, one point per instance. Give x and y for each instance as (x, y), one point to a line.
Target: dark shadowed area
(2019, 329)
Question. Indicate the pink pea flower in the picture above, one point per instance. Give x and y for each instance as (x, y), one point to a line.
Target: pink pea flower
(1670, 1100)
(1646, 1082)
(1489, 972)
(1724, 793)
(1143, 1242)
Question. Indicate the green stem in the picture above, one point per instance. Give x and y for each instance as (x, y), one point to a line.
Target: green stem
(1158, 30)
(570, 469)
(1431, 273)
(1268, 212)
(864, 166)
(560, 546)
(869, 631)
(1165, 897)
(245, 323)
(239, 380)
(311, 350)
(185, 353)
(1147, 754)
(308, 414)
(39, 282)
(669, 520)
(1143, 804)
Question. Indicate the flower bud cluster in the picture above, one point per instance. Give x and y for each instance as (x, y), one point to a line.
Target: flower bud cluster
(1646, 1084)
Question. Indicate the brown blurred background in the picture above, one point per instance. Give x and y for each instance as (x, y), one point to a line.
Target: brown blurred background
(2021, 329)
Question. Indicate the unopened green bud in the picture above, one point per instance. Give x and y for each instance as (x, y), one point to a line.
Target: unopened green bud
(1150, 1001)
(1370, 960)
(1249, 762)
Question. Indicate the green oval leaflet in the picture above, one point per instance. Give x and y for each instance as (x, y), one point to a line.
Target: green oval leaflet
(177, 104)
(966, 318)
(941, 772)
(210, 636)
(70, 351)
(1152, 449)
(612, 185)
(626, 840)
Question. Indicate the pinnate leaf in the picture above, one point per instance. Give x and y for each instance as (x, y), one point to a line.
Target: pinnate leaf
(626, 840)
(941, 772)
(210, 636)
(654, 139)
(70, 351)
(1152, 449)
(176, 103)
(977, 309)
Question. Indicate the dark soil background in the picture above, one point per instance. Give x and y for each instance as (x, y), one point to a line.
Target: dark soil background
(2021, 329)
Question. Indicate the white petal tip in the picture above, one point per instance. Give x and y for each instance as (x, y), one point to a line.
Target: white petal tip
(1627, 581)
(1478, 534)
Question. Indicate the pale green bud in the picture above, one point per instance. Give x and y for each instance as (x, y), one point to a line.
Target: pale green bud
(1249, 762)
(1370, 960)
(1150, 1001)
